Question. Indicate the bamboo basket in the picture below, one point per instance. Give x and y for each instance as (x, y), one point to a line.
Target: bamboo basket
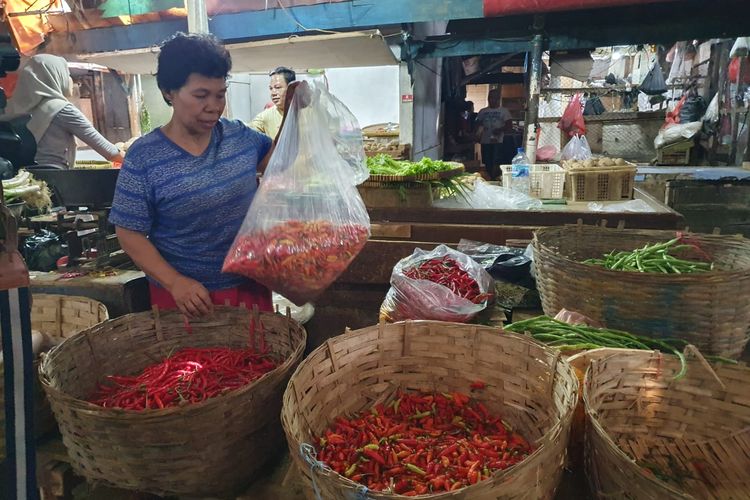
(709, 310)
(212, 448)
(529, 384)
(59, 316)
(580, 362)
(696, 429)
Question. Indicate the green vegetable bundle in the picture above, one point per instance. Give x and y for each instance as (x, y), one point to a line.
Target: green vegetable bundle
(565, 336)
(656, 258)
(383, 164)
(23, 187)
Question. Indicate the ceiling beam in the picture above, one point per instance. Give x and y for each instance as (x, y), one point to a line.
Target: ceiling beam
(273, 23)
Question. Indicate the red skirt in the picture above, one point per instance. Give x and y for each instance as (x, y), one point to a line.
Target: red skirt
(247, 295)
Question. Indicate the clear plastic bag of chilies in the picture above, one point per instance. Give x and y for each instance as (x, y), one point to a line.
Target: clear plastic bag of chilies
(307, 221)
(442, 285)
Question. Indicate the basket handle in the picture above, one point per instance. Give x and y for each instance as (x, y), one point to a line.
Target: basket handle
(308, 454)
(691, 349)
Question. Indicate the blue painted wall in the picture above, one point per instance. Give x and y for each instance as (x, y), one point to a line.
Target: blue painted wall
(274, 22)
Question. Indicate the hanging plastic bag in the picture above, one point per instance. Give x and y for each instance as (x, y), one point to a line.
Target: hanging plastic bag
(440, 285)
(654, 83)
(307, 221)
(741, 47)
(594, 106)
(345, 131)
(577, 148)
(572, 122)
(734, 70)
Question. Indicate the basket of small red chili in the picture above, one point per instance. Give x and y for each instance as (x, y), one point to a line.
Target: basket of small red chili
(149, 402)
(442, 284)
(428, 408)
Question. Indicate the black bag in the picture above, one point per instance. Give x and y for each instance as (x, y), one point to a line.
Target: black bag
(654, 83)
(593, 106)
(42, 250)
(693, 109)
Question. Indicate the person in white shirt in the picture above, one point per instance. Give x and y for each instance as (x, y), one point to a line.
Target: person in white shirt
(492, 123)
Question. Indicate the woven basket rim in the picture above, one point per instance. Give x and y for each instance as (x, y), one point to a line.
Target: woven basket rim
(632, 275)
(607, 438)
(102, 412)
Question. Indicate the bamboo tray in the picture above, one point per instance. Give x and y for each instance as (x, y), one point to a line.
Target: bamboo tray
(458, 170)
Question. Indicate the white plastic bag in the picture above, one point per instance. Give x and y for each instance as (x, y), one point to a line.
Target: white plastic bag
(676, 133)
(577, 148)
(414, 298)
(484, 196)
(712, 112)
(625, 206)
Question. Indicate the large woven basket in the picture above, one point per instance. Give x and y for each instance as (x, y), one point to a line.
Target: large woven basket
(529, 384)
(709, 310)
(695, 430)
(58, 316)
(212, 448)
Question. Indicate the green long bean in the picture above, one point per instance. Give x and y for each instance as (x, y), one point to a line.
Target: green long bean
(656, 258)
(565, 336)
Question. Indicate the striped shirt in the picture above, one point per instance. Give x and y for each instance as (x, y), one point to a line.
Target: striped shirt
(191, 207)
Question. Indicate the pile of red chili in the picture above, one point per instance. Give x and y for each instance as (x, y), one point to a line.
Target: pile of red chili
(191, 375)
(447, 272)
(422, 443)
(298, 259)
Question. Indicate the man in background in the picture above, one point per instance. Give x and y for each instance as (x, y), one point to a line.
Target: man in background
(268, 121)
(492, 123)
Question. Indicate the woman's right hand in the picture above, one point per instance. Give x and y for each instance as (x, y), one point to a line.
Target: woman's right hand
(191, 297)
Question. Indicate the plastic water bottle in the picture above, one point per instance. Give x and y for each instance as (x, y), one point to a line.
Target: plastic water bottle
(520, 180)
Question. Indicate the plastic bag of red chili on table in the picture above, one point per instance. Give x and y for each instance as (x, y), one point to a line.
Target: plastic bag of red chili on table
(307, 220)
(442, 284)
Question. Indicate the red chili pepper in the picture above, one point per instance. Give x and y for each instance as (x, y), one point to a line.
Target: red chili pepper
(190, 375)
(478, 385)
(429, 454)
(298, 258)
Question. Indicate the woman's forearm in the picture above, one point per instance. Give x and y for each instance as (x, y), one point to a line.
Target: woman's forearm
(147, 257)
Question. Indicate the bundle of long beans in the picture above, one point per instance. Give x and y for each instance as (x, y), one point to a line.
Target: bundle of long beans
(565, 336)
(656, 258)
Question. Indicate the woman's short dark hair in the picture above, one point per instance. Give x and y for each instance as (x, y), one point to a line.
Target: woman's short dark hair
(184, 54)
(288, 74)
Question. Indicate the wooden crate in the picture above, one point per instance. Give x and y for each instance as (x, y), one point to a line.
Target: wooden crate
(675, 154)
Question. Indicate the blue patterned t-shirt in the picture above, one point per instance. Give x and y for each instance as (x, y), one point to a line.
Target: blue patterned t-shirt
(191, 207)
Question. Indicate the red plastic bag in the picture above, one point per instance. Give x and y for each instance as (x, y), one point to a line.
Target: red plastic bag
(572, 122)
(734, 70)
(673, 117)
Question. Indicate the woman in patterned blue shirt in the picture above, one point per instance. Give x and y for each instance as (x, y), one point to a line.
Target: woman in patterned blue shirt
(185, 188)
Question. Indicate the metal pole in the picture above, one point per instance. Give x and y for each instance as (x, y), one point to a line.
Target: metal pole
(197, 16)
(535, 84)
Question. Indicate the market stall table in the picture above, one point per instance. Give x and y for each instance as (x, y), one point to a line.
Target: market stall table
(122, 292)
